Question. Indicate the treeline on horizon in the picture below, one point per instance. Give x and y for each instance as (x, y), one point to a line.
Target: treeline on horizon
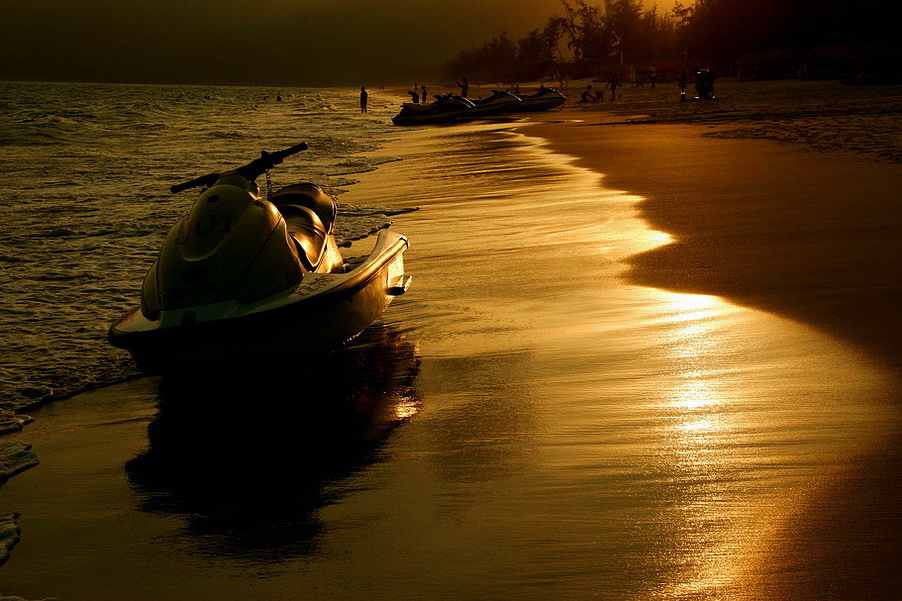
(760, 39)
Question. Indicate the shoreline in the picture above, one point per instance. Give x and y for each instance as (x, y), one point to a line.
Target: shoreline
(809, 236)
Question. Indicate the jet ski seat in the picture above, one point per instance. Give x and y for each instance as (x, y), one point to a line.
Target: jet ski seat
(310, 196)
(307, 232)
(310, 215)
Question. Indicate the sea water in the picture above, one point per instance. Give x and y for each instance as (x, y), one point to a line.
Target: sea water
(87, 170)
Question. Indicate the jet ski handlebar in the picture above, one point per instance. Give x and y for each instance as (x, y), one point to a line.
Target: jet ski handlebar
(251, 171)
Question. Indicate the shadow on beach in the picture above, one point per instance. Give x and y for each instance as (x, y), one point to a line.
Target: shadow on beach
(247, 461)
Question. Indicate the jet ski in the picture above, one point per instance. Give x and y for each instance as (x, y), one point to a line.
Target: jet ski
(499, 102)
(447, 107)
(244, 277)
(543, 100)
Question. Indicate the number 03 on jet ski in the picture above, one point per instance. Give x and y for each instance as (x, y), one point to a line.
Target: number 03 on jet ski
(243, 274)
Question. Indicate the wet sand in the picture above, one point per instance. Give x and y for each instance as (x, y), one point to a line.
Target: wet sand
(814, 237)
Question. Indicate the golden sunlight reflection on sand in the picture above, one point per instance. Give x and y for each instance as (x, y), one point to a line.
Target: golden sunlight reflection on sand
(741, 407)
(406, 408)
(717, 405)
(746, 405)
(701, 430)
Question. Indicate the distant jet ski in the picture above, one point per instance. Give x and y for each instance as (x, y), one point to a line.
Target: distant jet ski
(447, 107)
(499, 102)
(543, 100)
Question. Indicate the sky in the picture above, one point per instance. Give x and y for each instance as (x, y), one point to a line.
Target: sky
(302, 42)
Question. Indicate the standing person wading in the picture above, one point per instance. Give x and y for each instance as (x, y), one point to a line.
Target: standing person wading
(464, 87)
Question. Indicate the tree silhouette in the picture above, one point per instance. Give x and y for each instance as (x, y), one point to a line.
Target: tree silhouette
(832, 37)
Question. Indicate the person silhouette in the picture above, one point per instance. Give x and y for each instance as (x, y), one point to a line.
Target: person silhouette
(363, 99)
(423, 95)
(614, 81)
(587, 95)
(464, 87)
(415, 98)
(704, 84)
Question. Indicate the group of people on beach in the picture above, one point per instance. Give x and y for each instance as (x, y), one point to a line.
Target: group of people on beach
(418, 94)
(704, 85)
(416, 98)
(589, 95)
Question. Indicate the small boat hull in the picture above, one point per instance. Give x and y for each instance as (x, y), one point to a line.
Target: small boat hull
(540, 104)
(499, 102)
(318, 315)
(431, 117)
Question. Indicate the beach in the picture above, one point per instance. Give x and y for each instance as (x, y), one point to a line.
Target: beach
(765, 225)
(642, 358)
(812, 236)
(813, 115)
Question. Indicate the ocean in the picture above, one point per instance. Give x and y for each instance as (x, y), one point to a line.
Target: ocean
(88, 169)
(524, 424)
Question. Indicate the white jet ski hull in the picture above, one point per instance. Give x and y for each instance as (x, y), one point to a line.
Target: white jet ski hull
(316, 316)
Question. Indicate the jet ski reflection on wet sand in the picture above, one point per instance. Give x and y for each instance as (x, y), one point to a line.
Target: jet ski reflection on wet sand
(243, 273)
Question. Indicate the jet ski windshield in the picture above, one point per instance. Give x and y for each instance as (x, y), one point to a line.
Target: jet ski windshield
(543, 92)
